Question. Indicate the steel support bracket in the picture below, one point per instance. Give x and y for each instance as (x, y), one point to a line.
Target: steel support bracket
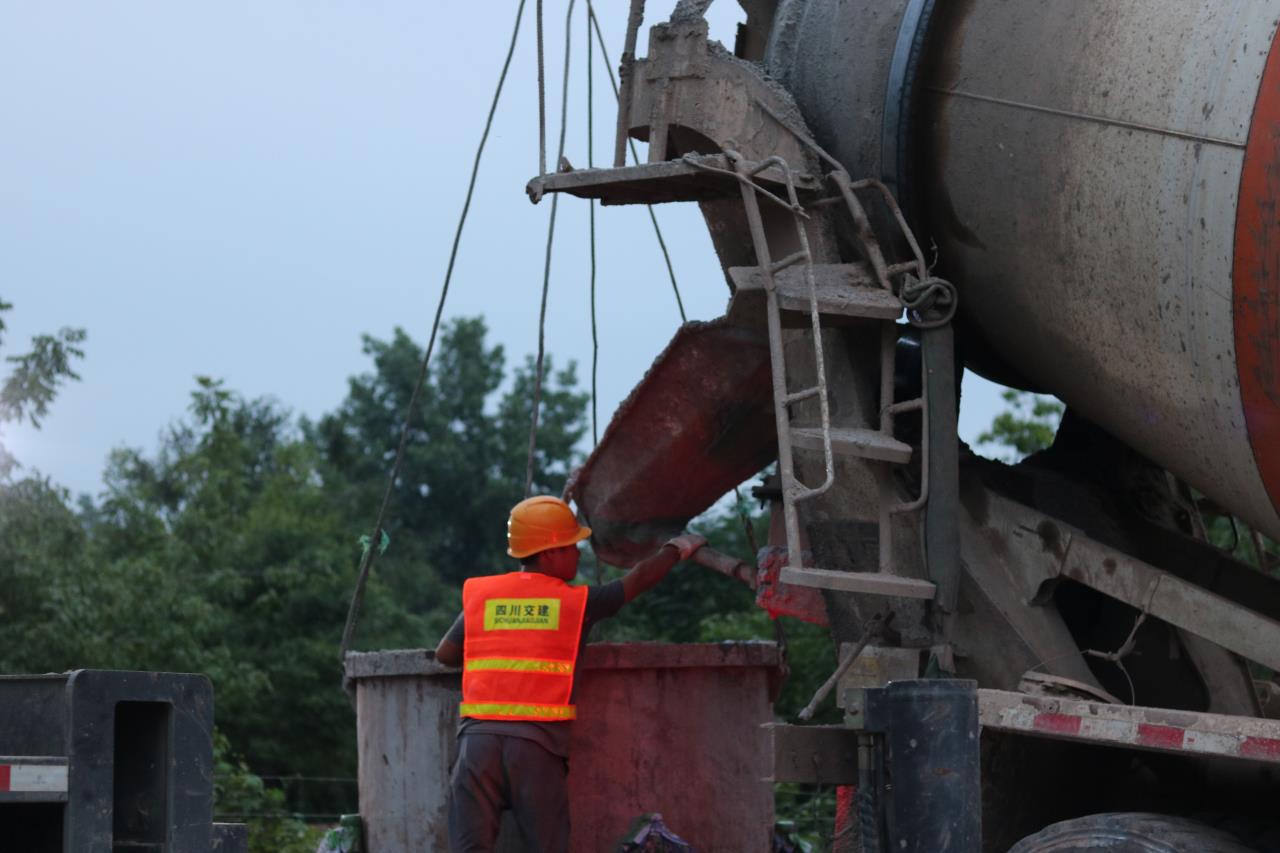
(942, 513)
(813, 755)
(1045, 549)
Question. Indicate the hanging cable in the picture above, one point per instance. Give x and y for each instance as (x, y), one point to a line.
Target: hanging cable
(635, 17)
(591, 214)
(542, 102)
(371, 553)
(591, 211)
(653, 217)
(546, 268)
(671, 272)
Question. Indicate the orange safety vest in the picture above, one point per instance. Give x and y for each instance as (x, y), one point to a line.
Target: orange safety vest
(521, 646)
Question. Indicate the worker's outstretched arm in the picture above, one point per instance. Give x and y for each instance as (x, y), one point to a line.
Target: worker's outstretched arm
(650, 571)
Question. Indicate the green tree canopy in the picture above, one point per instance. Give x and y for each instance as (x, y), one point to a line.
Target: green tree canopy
(33, 381)
(465, 461)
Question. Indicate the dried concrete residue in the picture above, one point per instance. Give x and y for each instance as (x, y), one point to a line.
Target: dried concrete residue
(782, 38)
(690, 10)
(789, 112)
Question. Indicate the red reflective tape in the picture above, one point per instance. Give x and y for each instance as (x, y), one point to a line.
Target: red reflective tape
(1059, 724)
(4, 777)
(846, 808)
(1260, 747)
(1160, 737)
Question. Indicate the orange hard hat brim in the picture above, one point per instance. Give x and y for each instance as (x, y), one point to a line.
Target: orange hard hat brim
(521, 553)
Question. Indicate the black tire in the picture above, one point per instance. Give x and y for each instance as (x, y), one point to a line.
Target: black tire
(1130, 832)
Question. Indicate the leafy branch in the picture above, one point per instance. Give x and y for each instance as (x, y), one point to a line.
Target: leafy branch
(27, 392)
(1026, 427)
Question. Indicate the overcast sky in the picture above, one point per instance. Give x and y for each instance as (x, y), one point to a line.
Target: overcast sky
(241, 189)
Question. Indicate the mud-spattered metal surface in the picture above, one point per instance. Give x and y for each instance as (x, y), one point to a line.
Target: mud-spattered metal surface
(1081, 169)
(698, 424)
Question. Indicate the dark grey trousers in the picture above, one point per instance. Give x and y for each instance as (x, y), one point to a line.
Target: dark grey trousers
(495, 773)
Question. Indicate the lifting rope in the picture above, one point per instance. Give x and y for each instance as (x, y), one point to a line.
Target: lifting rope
(371, 553)
(551, 236)
(542, 102)
(635, 158)
(591, 214)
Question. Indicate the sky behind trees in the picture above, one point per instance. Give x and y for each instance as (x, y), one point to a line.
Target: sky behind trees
(240, 190)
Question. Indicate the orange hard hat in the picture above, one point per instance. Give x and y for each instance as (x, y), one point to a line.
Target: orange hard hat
(541, 523)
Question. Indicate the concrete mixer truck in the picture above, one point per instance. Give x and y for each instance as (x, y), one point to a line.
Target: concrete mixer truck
(1076, 197)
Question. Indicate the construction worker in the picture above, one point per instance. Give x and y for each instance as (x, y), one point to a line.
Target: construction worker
(518, 640)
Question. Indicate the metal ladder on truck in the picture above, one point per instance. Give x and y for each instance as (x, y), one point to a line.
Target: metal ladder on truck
(870, 290)
(862, 290)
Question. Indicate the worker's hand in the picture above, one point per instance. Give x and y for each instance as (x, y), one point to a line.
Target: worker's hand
(686, 543)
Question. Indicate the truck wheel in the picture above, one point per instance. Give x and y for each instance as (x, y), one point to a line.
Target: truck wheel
(1130, 832)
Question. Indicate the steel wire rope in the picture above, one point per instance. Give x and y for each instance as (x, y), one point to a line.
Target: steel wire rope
(591, 230)
(371, 553)
(591, 213)
(542, 101)
(546, 268)
(653, 217)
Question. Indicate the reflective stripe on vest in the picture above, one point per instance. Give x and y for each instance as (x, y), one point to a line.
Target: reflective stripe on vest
(555, 667)
(522, 635)
(510, 711)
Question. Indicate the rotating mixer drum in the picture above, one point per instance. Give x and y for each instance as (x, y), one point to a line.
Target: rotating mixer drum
(1101, 181)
